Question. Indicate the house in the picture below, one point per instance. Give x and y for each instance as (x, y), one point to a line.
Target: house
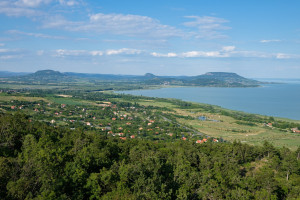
(199, 141)
(295, 130)
(52, 121)
(12, 107)
(268, 124)
(123, 138)
(204, 140)
(114, 119)
(88, 123)
(132, 136)
(183, 138)
(215, 140)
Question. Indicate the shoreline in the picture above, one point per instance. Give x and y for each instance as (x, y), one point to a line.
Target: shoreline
(203, 103)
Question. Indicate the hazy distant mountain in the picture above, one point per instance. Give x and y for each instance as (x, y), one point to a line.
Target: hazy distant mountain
(45, 77)
(213, 79)
(230, 79)
(47, 73)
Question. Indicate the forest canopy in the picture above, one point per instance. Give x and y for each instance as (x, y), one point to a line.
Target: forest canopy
(39, 161)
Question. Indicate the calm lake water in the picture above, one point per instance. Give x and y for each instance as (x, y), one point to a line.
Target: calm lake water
(280, 100)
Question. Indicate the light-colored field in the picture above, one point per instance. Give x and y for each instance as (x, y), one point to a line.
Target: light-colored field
(228, 129)
(21, 98)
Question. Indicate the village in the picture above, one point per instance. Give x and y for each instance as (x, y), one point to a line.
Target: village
(130, 118)
(107, 118)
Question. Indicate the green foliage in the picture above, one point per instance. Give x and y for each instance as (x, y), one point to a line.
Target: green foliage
(57, 163)
(68, 159)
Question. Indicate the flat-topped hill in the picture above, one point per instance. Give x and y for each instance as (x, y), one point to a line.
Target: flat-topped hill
(210, 79)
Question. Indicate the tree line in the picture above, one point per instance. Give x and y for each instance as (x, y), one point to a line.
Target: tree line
(38, 161)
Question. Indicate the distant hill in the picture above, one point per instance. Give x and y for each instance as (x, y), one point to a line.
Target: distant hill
(46, 77)
(213, 79)
(47, 73)
(210, 79)
(223, 78)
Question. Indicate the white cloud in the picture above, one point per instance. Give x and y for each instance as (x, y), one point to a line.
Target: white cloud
(96, 53)
(37, 35)
(228, 48)
(31, 3)
(63, 52)
(283, 56)
(268, 41)
(110, 52)
(6, 54)
(68, 3)
(7, 57)
(60, 22)
(215, 54)
(15, 9)
(117, 24)
(5, 50)
(224, 52)
(208, 27)
(192, 54)
(1, 44)
(123, 51)
(168, 55)
(31, 8)
(37, 3)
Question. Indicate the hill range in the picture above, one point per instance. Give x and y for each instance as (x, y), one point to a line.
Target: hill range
(210, 79)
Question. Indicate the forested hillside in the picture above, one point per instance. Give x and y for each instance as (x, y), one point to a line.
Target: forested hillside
(55, 78)
(38, 161)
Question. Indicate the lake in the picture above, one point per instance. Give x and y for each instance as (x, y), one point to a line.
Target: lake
(278, 100)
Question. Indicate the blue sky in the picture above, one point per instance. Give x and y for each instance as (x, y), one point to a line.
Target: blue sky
(168, 37)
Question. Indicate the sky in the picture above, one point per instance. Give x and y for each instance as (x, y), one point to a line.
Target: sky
(254, 38)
